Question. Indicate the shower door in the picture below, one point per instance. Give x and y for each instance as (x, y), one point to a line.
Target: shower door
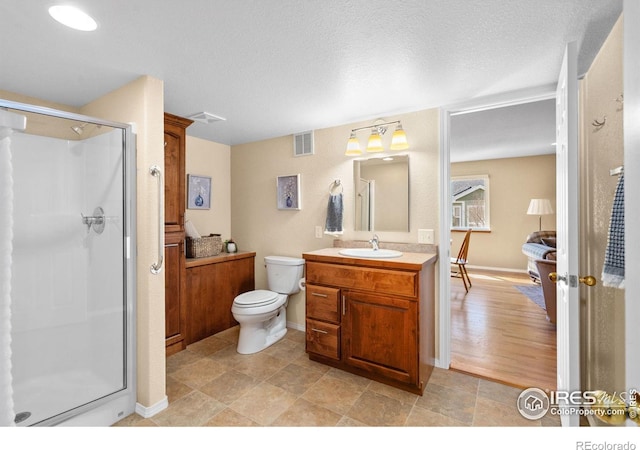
(71, 301)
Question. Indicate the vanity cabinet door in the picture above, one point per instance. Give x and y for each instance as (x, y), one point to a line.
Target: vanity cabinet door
(379, 335)
(174, 171)
(174, 282)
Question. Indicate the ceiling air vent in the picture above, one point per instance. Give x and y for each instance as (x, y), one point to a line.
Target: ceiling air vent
(303, 143)
(205, 117)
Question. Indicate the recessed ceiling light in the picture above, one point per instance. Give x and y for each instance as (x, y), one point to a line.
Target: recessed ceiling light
(73, 18)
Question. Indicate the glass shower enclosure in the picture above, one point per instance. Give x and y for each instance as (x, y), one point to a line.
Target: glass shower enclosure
(72, 269)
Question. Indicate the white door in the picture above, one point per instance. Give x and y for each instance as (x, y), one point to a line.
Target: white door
(568, 311)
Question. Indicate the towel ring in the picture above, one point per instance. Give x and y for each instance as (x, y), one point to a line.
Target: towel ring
(334, 185)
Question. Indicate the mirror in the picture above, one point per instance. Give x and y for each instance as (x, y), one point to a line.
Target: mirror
(382, 193)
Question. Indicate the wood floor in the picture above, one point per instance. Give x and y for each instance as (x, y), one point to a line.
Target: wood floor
(499, 334)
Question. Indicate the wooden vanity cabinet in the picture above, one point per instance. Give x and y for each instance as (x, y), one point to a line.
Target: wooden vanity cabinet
(373, 318)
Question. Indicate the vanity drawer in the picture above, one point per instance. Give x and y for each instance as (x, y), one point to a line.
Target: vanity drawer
(323, 338)
(323, 303)
(382, 281)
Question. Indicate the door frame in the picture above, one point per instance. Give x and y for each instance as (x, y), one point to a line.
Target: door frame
(498, 101)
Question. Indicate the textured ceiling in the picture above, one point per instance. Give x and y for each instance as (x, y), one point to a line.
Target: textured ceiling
(276, 67)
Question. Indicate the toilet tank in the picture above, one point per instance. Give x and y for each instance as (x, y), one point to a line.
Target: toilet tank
(284, 273)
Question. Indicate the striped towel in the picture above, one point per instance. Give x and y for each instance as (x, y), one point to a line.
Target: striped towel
(613, 270)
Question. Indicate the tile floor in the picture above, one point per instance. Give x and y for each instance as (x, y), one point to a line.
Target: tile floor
(210, 384)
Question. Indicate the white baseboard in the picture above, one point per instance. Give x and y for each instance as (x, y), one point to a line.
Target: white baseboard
(295, 326)
(150, 411)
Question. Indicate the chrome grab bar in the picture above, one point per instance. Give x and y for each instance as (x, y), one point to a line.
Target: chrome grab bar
(157, 266)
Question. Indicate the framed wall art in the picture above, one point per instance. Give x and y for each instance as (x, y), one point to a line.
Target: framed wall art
(288, 192)
(198, 192)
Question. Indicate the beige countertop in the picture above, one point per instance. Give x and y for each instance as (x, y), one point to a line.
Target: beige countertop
(408, 260)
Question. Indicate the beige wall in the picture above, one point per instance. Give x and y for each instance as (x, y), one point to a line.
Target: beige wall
(602, 308)
(213, 160)
(513, 182)
(259, 226)
(142, 102)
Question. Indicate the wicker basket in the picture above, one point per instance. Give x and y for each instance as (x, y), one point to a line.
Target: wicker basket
(205, 246)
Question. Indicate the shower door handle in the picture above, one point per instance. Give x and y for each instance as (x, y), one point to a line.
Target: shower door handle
(156, 267)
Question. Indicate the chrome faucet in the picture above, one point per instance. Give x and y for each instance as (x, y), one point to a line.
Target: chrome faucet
(374, 242)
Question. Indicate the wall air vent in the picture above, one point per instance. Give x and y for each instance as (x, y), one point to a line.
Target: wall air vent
(303, 144)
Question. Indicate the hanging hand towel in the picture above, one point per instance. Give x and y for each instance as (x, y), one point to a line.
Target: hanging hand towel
(613, 270)
(333, 225)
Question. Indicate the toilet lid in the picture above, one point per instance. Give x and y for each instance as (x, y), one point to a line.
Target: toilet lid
(255, 298)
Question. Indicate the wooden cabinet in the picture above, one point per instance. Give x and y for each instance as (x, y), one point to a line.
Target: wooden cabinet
(212, 284)
(371, 317)
(174, 284)
(174, 171)
(174, 209)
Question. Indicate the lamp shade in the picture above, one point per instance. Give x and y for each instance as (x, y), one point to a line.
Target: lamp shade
(399, 139)
(375, 142)
(540, 207)
(353, 146)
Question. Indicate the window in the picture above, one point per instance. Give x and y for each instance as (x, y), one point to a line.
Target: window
(470, 202)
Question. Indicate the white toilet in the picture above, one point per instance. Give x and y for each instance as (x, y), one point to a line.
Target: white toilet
(262, 314)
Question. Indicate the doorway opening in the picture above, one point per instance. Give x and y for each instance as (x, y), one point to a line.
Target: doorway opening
(496, 330)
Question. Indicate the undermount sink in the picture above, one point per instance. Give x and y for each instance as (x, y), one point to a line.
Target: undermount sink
(370, 253)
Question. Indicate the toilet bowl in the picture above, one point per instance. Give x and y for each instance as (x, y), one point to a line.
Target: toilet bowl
(262, 314)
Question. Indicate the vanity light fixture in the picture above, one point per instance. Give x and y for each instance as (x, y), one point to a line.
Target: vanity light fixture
(73, 17)
(374, 144)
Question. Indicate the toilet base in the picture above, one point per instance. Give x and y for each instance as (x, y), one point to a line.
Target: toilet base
(256, 336)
